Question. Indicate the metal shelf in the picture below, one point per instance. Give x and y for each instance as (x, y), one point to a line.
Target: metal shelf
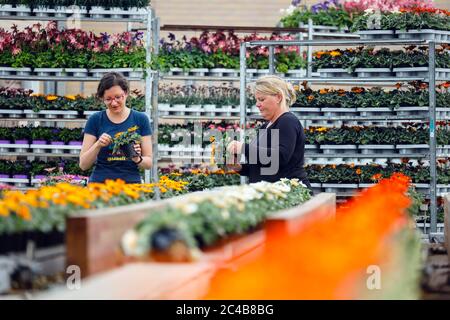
(31, 154)
(85, 19)
(45, 120)
(57, 78)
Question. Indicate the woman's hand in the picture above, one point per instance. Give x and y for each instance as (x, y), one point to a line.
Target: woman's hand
(137, 148)
(234, 147)
(234, 166)
(104, 140)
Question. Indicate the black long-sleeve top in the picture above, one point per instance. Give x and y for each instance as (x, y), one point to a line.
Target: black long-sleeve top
(261, 154)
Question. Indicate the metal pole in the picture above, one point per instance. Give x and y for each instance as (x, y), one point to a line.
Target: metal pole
(310, 37)
(432, 109)
(271, 59)
(243, 97)
(155, 113)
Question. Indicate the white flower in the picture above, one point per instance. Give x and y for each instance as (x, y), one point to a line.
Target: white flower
(187, 208)
(290, 9)
(129, 243)
(295, 182)
(225, 214)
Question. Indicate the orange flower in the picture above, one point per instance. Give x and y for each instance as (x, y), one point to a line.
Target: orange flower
(358, 171)
(357, 90)
(310, 98)
(324, 91)
(376, 177)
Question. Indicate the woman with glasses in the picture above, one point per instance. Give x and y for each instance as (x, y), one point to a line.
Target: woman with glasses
(97, 149)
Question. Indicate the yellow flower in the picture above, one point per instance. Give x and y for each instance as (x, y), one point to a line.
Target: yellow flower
(3, 210)
(51, 97)
(132, 129)
(335, 53)
(70, 97)
(118, 134)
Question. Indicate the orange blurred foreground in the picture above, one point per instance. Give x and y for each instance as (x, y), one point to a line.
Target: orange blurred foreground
(327, 259)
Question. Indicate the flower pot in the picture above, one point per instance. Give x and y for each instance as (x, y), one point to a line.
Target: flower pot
(137, 13)
(21, 146)
(40, 176)
(371, 149)
(424, 34)
(376, 34)
(20, 176)
(223, 72)
(334, 73)
(76, 146)
(176, 72)
(44, 12)
(338, 149)
(22, 11)
(198, 72)
(57, 143)
(75, 72)
(373, 72)
(128, 150)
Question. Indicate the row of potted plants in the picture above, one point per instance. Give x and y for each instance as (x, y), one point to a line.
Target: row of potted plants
(46, 208)
(81, 3)
(405, 95)
(351, 174)
(41, 135)
(369, 57)
(368, 15)
(203, 220)
(47, 47)
(405, 19)
(221, 50)
(39, 169)
(324, 13)
(172, 135)
(363, 135)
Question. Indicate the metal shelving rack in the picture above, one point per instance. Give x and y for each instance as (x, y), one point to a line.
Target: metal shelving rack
(146, 16)
(431, 79)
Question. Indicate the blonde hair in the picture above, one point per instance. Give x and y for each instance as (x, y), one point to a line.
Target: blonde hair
(273, 85)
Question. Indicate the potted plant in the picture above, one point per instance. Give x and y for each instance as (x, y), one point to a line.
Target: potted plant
(125, 141)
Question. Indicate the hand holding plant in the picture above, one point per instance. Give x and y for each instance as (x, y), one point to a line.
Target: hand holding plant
(125, 141)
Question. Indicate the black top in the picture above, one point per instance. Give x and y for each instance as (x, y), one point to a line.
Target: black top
(283, 159)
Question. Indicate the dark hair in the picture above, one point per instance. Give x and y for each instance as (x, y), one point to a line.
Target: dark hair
(110, 80)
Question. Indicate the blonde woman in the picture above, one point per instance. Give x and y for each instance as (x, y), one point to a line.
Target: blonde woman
(278, 150)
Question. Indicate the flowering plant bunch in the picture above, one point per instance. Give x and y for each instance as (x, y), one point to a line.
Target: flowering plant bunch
(350, 173)
(83, 3)
(38, 47)
(205, 218)
(221, 50)
(199, 178)
(405, 94)
(125, 138)
(224, 95)
(369, 57)
(385, 6)
(22, 99)
(363, 135)
(46, 208)
(55, 178)
(405, 19)
(325, 13)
